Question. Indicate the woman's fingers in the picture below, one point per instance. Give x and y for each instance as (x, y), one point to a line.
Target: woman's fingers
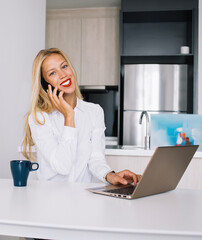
(121, 180)
(61, 100)
(129, 176)
(55, 97)
(139, 177)
(115, 179)
(124, 177)
(52, 94)
(59, 103)
(60, 95)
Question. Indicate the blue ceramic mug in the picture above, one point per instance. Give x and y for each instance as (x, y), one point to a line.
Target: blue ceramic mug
(20, 171)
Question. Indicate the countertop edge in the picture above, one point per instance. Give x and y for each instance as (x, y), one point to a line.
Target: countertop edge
(128, 152)
(137, 152)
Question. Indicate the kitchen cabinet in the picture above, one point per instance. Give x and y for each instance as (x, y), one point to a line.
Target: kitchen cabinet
(157, 30)
(64, 32)
(99, 51)
(90, 37)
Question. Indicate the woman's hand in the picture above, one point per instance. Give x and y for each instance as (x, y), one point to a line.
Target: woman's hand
(61, 105)
(124, 177)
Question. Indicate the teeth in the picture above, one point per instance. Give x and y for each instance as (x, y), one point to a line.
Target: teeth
(65, 83)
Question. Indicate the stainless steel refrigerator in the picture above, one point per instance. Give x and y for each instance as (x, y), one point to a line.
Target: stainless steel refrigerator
(155, 88)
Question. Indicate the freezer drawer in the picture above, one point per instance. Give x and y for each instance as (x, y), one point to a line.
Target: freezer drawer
(156, 87)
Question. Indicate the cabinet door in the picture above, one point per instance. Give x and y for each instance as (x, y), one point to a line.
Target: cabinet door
(99, 64)
(65, 34)
(90, 38)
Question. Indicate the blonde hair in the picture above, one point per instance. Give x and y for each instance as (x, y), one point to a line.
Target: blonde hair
(39, 99)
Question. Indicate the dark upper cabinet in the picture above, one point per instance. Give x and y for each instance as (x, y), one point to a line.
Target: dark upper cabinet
(156, 33)
(153, 31)
(157, 5)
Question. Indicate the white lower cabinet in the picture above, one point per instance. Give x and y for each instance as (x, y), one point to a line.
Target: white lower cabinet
(191, 179)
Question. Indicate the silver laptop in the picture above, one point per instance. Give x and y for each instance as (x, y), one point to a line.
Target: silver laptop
(162, 174)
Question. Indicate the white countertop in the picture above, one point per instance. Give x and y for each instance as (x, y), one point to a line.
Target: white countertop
(61, 210)
(127, 151)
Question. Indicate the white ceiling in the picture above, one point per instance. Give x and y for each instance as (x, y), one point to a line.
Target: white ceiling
(59, 4)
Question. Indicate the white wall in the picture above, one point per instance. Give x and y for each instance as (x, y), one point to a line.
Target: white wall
(200, 60)
(22, 28)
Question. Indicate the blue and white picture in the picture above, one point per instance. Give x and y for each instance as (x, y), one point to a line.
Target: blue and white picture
(176, 129)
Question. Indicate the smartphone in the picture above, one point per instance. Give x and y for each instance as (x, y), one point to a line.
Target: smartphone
(45, 84)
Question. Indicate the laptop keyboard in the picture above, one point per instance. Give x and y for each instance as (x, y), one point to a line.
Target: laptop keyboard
(125, 191)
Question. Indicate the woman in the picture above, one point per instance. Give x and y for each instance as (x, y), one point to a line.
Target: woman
(68, 133)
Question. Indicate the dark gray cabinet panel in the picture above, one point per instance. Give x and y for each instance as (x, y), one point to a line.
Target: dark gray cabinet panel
(154, 5)
(156, 38)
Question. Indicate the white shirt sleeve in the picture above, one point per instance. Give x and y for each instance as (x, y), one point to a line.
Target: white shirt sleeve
(60, 153)
(97, 163)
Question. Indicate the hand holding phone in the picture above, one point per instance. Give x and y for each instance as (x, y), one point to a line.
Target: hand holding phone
(60, 104)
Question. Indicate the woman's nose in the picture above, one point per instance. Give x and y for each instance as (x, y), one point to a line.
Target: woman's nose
(62, 74)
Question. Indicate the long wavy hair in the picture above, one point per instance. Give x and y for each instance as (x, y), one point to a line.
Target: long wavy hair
(39, 99)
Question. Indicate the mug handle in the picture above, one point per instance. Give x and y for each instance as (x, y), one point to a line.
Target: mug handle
(32, 167)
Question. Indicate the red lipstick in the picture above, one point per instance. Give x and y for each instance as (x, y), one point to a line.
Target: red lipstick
(66, 83)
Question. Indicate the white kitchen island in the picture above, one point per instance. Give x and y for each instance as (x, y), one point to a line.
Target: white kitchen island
(59, 210)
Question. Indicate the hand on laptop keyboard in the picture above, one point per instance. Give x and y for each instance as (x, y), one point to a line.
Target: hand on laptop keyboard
(124, 177)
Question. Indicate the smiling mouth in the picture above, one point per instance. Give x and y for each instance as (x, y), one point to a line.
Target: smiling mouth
(66, 83)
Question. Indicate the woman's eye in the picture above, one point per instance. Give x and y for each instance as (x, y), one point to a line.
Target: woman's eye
(65, 66)
(52, 73)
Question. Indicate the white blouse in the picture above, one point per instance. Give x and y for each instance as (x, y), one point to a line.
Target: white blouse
(71, 154)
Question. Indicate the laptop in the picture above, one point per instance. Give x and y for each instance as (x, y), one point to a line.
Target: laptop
(162, 174)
